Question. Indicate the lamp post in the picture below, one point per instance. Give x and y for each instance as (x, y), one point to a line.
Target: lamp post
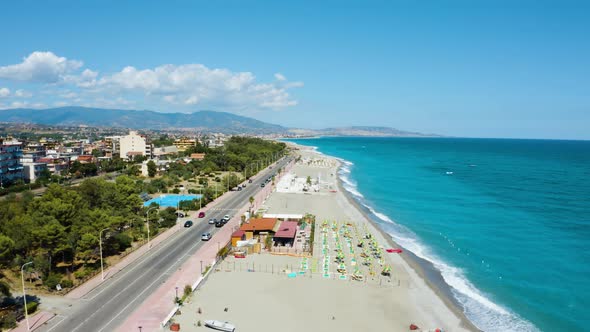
(22, 274)
(176, 290)
(139, 328)
(148, 224)
(201, 267)
(100, 244)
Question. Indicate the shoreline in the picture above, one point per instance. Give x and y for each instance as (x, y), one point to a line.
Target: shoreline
(424, 269)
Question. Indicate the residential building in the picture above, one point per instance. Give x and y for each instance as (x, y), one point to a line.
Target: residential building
(135, 144)
(184, 143)
(11, 168)
(33, 170)
(165, 150)
(112, 145)
(56, 165)
(197, 156)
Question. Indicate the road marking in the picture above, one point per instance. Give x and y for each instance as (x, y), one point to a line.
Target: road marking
(62, 319)
(142, 258)
(116, 296)
(147, 288)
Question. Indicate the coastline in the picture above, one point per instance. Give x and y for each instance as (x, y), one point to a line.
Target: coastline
(423, 269)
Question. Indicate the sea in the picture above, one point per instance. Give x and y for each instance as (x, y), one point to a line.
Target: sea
(506, 222)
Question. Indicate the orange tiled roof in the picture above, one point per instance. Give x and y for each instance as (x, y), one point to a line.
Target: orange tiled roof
(260, 224)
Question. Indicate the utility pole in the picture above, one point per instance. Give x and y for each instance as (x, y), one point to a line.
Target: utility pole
(100, 243)
(22, 274)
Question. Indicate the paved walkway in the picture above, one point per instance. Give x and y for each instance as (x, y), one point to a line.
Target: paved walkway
(35, 321)
(155, 309)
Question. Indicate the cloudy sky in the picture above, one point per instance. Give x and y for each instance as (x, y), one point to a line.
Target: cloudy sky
(462, 68)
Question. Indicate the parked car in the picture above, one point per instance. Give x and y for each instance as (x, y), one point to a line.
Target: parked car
(201, 214)
(219, 223)
(206, 237)
(227, 217)
(188, 223)
(180, 214)
(249, 180)
(262, 185)
(212, 221)
(239, 188)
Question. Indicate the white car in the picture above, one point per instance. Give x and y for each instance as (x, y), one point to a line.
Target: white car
(226, 217)
(212, 221)
(206, 237)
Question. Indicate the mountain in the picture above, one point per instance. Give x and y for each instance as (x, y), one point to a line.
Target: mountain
(203, 121)
(206, 121)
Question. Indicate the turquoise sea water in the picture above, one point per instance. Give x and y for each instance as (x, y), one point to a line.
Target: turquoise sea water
(509, 228)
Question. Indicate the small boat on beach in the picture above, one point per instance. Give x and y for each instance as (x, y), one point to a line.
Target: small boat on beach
(394, 250)
(219, 325)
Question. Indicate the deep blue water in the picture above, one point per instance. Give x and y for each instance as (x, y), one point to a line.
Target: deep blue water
(509, 229)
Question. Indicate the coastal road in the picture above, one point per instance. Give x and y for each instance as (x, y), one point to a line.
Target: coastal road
(108, 305)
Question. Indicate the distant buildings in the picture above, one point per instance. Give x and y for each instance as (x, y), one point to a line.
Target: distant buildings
(130, 145)
(11, 168)
(184, 143)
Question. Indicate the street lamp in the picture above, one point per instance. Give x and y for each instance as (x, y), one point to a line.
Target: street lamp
(22, 274)
(201, 267)
(100, 244)
(148, 224)
(176, 289)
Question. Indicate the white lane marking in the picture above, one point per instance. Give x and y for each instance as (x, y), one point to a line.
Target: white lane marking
(149, 287)
(142, 258)
(116, 296)
(62, 319)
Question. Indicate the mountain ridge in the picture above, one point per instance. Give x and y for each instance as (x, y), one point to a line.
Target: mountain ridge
(204, 121)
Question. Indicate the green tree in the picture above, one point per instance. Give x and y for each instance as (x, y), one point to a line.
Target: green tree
(152, 169)
(6, 249)
(308, 181)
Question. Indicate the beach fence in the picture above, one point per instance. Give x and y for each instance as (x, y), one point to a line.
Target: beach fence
(306, 270)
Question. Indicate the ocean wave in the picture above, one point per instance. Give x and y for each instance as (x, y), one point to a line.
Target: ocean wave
(482, 311)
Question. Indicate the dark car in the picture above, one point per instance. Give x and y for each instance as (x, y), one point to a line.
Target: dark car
(262, 185)
(180, 214)
(249, 180)
(201, 214)
(219, 224)
(188, 223)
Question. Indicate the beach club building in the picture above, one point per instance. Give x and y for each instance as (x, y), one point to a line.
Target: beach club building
(260, 226)
(285, 236)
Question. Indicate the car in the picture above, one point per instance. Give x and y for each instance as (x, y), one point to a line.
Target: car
(249, 180)
(212, 221)
(201, 214)
(206, 237)
(219, 224)
(262, 185)
(180, 214)
(188, 223)
(239, 188)
(227, 217)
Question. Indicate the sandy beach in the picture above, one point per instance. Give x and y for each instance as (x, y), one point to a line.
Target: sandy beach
(266, 292)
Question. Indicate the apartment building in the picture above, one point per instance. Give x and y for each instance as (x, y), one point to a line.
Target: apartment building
(11, 168)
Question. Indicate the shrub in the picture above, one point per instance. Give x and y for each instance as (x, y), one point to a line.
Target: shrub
(82, 273)
(176, 190)
(187, 290)
(66, 283)
(52, 280)
(7, 320)
(32, 307)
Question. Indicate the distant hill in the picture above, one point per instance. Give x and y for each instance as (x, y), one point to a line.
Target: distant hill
(206, 121)
(203, 121)
(357, 131)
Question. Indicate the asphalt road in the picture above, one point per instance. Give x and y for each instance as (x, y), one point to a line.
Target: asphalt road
(107, 306)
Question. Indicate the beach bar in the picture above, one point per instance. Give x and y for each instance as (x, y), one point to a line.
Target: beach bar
(285, 236)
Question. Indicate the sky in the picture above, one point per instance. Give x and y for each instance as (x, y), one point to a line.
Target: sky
(460, 68)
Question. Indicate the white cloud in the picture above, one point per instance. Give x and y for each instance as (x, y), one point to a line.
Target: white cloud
(4, 92)
(183, 86)
(280, 77)
(22, 93)
(198, 84)
(44, 67)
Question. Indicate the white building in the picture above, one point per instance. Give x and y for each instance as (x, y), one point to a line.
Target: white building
(33, 170)
(134, 144)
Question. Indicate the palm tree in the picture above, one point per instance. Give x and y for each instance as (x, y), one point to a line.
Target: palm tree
(251, 200)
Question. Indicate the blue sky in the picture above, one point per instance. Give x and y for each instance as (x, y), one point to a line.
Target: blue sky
(462, 68)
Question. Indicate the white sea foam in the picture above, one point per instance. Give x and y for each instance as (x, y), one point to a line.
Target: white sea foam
(482, 311)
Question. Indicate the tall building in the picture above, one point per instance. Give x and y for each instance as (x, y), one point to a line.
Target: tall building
(134, 144)
(11, 168)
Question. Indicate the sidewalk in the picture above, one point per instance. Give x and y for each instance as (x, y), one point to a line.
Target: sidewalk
(91, 284)
(155, 309)
(35, 321)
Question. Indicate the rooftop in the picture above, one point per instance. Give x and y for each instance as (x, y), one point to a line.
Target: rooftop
(288, 229)
(260, 224)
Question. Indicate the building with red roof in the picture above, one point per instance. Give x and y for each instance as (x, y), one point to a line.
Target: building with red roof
(285, 235)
